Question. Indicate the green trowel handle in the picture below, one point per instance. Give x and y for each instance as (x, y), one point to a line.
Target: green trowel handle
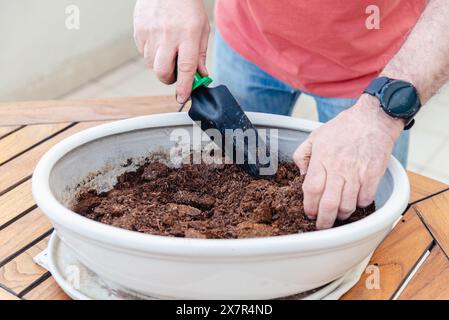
(199, 81)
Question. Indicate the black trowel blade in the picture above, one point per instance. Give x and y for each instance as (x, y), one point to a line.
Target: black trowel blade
(216, 108)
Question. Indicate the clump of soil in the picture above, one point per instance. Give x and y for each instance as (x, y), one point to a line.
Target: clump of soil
(204, 201)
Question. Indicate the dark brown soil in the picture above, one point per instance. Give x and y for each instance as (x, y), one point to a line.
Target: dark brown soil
(204, 201)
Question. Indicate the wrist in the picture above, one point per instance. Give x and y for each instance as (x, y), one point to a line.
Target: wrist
(370, 106)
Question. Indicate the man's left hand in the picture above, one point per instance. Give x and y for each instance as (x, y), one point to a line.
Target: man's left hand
(345, 159)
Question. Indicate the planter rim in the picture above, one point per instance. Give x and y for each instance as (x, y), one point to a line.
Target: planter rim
(347, 235)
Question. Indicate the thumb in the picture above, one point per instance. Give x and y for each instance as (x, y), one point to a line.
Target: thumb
(302, 155)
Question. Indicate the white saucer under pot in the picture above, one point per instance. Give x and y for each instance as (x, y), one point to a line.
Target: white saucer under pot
(80, 283)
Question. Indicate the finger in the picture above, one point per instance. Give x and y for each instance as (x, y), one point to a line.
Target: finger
(313, 188)
(302, 156)
(187, 66)
(202, 69)
(139, 37)
(330, 201)
(140, 31)
(164, 64)
(349, 196)
(148, 54)
(367, 192)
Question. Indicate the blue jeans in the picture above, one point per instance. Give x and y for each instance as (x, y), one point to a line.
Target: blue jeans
(258, 91)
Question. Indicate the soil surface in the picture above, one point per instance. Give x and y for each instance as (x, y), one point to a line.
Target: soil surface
(204, 201)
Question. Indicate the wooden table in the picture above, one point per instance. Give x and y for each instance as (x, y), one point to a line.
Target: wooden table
(412, 261)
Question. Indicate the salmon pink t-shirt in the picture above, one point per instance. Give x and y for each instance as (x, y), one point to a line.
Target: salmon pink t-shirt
(330, 48)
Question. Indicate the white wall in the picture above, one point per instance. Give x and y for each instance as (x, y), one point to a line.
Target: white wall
(41, 59)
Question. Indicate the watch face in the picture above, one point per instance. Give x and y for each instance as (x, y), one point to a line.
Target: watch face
(400, 99)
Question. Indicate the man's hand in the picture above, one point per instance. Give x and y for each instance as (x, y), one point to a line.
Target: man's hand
(345, 159)
(170, 33)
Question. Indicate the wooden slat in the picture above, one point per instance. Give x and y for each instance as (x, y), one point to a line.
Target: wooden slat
(23, 231)
(25, 138)
(422, 187)
(5, 295)
(47, 290)
(435, 214)
(22, 271)
(16, 201)
(21, 167)
(25, 113)
(6, 130)
(395, 258)
(431, 281)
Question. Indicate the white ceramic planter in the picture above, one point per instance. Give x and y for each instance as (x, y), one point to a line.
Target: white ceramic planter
(199, 268)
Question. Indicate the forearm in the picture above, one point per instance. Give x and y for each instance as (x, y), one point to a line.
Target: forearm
(423, 59)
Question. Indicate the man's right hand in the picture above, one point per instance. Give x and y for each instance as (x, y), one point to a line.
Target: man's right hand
(172, 33)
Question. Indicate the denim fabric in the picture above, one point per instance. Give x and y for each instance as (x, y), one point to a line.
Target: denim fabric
(258, 91)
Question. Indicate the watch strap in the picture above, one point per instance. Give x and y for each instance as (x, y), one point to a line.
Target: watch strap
(409, 124)
(376, 86)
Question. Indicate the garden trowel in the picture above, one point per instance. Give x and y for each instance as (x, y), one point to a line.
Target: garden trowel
(216, 108)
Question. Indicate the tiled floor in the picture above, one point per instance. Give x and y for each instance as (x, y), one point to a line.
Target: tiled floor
(429, 150)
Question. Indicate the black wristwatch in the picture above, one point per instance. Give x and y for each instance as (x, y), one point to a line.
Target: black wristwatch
(399, 99)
